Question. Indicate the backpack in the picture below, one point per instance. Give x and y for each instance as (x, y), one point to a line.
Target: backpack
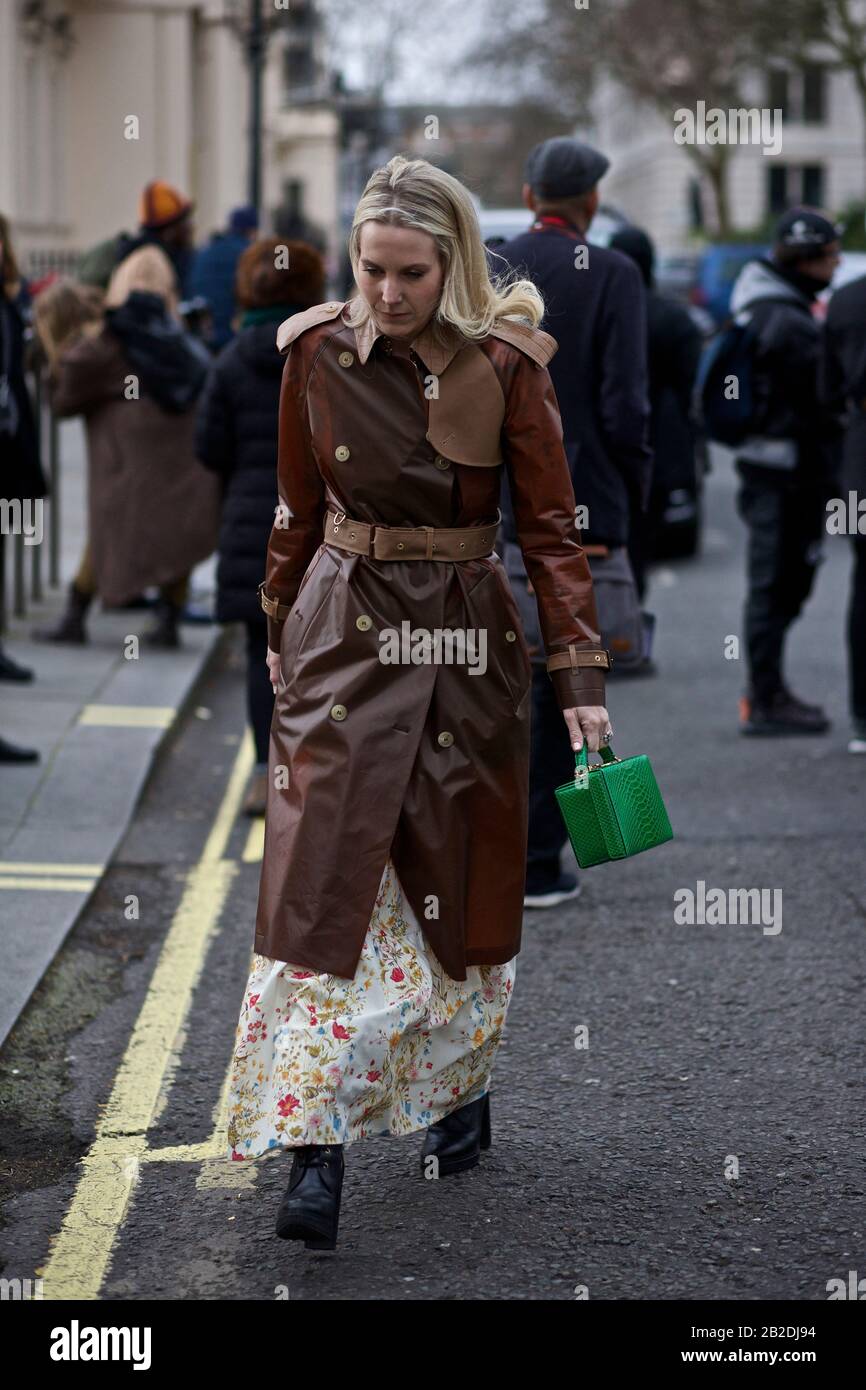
(724, 386)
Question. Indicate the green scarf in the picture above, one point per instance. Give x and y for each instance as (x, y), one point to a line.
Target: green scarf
(274, 313)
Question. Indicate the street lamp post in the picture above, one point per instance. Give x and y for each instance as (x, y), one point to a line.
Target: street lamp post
(256, 41)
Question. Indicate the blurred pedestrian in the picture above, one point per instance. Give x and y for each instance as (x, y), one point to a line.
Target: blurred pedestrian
(673, 354)
(153, 511)
(595, 310)
(22, 480)
(787, 464)
(165, 219)
(236, 436)
(213, 273)
(65, 312)
(843, 386)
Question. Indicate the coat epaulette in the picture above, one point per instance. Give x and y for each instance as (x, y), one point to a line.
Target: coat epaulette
(538, 345)
(292, 327)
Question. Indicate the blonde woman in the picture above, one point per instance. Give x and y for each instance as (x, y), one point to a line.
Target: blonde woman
(391, 893)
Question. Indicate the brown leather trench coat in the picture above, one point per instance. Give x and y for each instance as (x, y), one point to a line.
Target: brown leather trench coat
(427, 762)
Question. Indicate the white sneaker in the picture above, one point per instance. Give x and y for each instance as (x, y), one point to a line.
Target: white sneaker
(565, 890)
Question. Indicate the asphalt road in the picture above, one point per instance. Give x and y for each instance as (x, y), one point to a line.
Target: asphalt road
(708, 1143)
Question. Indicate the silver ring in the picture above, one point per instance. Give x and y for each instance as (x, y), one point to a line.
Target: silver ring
(607, 736)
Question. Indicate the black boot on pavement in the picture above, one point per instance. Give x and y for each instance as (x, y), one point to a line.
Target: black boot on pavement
(310, 1210)
(12, 753)
(784, 714)
(164, 632)
(11, 671)
(456, 1142)
(256, 800)
(70, 627)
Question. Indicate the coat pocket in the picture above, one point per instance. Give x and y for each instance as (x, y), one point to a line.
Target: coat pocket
(314, 593)
(507, 651)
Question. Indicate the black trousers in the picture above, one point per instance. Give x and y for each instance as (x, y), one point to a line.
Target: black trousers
(260, 696)
(551, 763)
(785, 524)
(857, 632)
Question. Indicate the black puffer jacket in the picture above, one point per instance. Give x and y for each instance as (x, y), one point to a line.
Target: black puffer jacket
(787, 352)
(236, 436)
(21, 475)
(843, 378)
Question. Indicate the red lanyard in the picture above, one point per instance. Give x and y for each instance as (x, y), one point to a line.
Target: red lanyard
(559, 224)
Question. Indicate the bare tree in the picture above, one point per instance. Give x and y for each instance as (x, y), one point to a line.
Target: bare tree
(668, 54)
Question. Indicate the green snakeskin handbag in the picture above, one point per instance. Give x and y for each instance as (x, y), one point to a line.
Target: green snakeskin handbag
(612, 809)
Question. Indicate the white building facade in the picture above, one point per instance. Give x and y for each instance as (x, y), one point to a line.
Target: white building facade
(72, 161)
(655, 182)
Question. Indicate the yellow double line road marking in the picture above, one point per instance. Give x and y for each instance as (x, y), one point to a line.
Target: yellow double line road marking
(55, 878)
(81, 1252)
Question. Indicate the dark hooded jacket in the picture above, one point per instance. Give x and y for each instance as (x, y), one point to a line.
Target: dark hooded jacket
(236, 437)
(842, 380)
(786, 358)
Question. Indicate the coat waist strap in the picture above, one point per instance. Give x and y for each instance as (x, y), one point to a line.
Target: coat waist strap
(409, 543)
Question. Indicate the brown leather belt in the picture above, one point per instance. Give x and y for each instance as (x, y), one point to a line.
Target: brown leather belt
(409, 543)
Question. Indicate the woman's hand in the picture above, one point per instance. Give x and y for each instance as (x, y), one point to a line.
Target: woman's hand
(273, 660)
(590, 722)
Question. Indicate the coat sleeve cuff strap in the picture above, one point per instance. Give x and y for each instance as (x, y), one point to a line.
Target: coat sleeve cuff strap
(272, 606)
(572, 659)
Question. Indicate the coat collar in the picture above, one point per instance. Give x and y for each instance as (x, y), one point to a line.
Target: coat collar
(435, 347)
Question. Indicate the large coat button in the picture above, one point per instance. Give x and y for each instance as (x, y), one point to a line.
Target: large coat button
(338, 712)
(364, 623)
(441, 462)
(342, 452)
(445, 739)
(510, 636)
(346, 359)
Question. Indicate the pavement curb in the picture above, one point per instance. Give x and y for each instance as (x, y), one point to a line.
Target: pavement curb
(83, 798)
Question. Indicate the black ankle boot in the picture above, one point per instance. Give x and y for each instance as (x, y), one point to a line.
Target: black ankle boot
(164, 632)
(70, 626)
(14, 753)
(310, 1210)
(456, 1142)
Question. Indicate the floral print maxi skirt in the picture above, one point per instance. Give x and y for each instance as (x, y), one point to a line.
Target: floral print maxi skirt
(323, 1060)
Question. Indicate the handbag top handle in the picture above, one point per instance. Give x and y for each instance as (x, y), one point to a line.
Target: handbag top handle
(581, 757)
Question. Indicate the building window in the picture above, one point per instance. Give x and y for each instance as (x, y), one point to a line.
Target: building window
(813, 94)
(789, 184)
(813, 185)
(777, 193)
(777, 94)
(799, 93)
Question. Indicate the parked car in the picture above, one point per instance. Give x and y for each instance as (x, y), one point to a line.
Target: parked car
(676, 273)
(718, 268)
(510, 222)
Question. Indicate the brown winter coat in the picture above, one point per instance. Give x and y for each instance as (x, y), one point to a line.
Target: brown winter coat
(153, 508)
(427, 762)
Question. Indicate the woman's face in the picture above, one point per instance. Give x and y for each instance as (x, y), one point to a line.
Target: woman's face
(400, 276)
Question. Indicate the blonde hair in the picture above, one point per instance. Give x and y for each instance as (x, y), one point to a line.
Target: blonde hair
(413, 193)
(147, 269)
(64, 312)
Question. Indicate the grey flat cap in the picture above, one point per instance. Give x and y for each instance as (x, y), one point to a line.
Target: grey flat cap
(564, 168)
